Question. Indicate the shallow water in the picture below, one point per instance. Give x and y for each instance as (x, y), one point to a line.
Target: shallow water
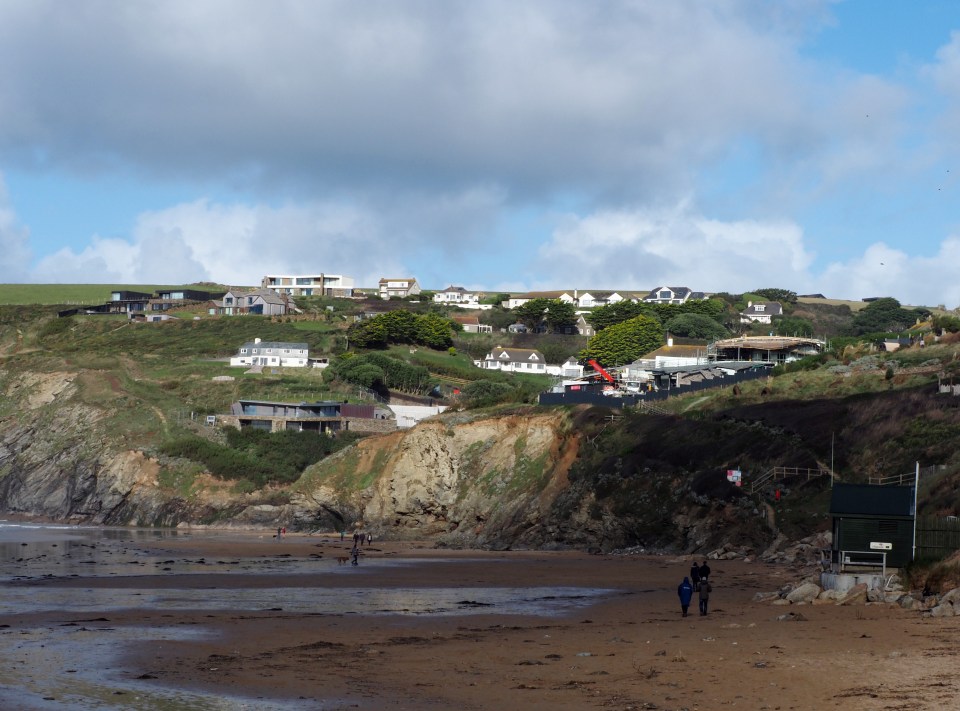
(74, 663)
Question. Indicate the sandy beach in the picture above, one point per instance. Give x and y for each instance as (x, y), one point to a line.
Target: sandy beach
(213, 620)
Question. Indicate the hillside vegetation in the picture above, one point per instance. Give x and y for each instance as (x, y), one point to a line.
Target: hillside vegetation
(101, 420)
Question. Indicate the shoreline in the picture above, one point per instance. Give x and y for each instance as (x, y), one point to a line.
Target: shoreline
(319, 634)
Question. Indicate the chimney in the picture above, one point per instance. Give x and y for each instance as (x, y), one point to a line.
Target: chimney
(256, 340)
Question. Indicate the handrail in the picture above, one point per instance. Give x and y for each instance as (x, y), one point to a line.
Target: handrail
(778, 472)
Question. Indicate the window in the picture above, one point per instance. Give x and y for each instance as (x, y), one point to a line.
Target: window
(228, 301)
(665, 294)
(760, 307)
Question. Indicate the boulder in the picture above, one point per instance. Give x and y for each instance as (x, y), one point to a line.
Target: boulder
(943, 610)
(764, 596)
(953, 597)
(807, 592)
(857, 595)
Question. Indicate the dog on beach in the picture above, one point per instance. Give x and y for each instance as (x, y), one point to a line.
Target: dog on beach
(342, 559)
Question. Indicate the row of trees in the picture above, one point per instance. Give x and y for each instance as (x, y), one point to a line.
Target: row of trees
(401, 326)
(379, 372)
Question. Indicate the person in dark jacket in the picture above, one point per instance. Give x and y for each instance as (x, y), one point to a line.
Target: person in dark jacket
(704, 571)
(685, 592)
(695, 574)
(705, 590)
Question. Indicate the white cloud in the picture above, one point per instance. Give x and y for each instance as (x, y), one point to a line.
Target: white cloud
(885, 271)
(642, 249)
(237, 243)
(14, 241)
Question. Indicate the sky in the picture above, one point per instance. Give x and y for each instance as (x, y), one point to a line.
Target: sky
(499, 145)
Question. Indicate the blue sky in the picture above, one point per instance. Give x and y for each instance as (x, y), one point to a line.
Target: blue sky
(493, 144)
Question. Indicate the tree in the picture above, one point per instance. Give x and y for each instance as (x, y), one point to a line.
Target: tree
(883, 316)
(695, 326)
(561, 316)
(401, 326)
(605, 316)
(370, 333)
(434, 331)
(531, 313)
(624, 342)
(792, 326)
(784, 296)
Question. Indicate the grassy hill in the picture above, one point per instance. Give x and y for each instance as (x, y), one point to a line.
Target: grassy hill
(79, 294)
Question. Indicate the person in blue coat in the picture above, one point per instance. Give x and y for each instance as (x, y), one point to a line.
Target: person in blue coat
(685, 592)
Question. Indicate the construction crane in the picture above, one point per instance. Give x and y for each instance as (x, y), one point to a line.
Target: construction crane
(606, 376)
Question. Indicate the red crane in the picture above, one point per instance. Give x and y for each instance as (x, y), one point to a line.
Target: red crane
(597, 367)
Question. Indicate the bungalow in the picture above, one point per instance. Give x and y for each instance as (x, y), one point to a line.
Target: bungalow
(761, 312)
(277, 354)
(165, 299)
(584, 327)
(455, 295)
(398, 288)
(765, 349)
(514, 360)
(471, 324)
(321, 417)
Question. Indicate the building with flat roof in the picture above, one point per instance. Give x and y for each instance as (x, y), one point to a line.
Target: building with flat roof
(309, 284)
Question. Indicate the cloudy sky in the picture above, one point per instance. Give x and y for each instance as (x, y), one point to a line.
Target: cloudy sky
(499, 145)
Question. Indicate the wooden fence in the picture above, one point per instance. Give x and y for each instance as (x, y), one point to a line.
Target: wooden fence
(937, 537)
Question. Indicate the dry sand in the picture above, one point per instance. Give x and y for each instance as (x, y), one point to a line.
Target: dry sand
(631, 649)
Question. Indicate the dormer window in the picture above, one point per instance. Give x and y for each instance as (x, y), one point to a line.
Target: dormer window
(760, 307)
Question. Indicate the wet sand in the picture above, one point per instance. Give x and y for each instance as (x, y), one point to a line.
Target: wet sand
(182, 621)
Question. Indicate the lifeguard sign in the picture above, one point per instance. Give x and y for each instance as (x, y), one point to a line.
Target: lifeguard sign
(735, 476)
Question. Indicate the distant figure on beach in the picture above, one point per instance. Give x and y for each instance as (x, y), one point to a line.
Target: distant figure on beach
(279, 533)
(685, 592)
(355, 556)
(776, 496)
(283, 531)
(704, 572)
(356, 538)
(369, 538)
(705, 590)
(341, 536)
(695, 574)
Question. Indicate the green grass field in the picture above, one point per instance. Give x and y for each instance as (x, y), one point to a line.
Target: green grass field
(77, 294)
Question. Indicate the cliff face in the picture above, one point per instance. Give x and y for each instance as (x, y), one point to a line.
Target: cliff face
(487, 482)
(532, 478)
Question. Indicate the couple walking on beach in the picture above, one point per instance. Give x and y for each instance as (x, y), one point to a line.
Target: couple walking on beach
(699, 582)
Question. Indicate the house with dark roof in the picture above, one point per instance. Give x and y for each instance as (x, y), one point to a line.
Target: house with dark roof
(275, 354)
(672, 295)
(455, 295)
(471, 324)
(263, 302)
(873, 526)
(761, 312)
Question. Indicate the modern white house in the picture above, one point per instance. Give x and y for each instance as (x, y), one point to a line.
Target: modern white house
(309, 284)
(516, 300)
(275, 354)
(400, 288)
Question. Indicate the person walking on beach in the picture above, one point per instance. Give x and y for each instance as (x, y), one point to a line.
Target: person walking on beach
(685, 592)
(279, 533)
(369, 538)
(704, 572)
(705, 590)
(695, 574)
(355, 556)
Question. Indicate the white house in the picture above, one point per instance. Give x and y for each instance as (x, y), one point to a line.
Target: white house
(309, 284)
(276, 354)
(520, 299)
(455, 295)
(401, 288)
(514, 360)
(672, 295)
(570, 369)
(761, 312)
